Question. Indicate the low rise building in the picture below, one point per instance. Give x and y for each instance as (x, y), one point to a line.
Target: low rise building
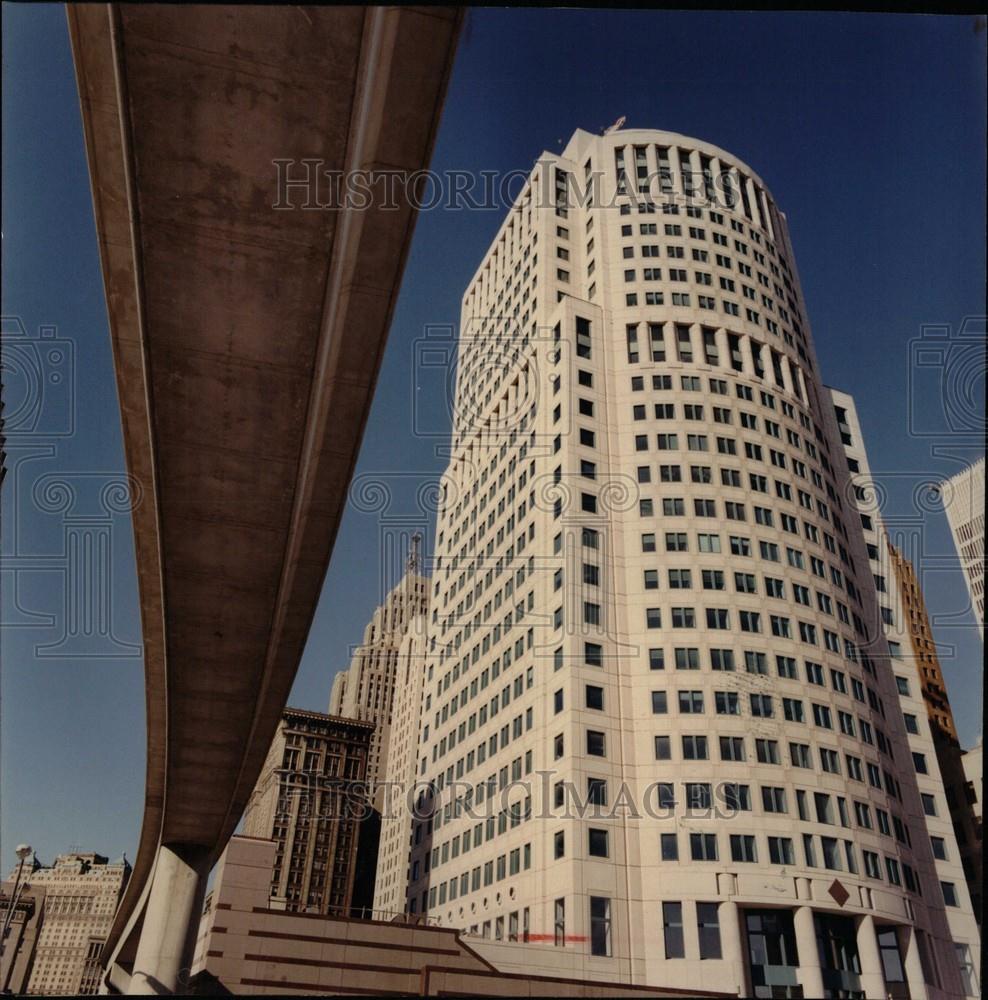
(246, 947)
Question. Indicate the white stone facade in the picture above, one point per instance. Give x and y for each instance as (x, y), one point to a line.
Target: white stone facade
(651, 590)
(365, 690)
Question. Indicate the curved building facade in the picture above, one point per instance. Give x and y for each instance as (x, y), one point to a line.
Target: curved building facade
(659, 727)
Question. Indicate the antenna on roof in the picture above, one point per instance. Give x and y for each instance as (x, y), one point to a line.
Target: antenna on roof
(615, 126)
(413, 556)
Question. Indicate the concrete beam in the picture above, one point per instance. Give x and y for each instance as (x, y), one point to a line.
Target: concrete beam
(246, 344)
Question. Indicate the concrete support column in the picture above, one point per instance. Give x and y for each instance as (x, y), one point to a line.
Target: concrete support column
(872, 975)
(766, 214)
(810, 972)
(716, 171)
(733, 945)
(692, 166)
(723, 348)
(171, 921)
(735, 183)
(675, 171)
(752, 200)
(747, 355)
(787, 375)
(799, 386)
(913, 965)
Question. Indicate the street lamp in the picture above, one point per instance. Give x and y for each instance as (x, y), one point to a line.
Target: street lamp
(23, 850)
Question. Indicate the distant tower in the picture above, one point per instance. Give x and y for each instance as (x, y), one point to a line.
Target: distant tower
(365, 690)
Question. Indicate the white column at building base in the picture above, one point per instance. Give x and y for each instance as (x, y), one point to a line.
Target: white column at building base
(872, 975)
(733, 943)
(171, 921)
(913, 966)
(810, 972)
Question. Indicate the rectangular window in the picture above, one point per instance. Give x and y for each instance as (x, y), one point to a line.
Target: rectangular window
(669, 847)
(597, 843)
(781, 851)
(708, 930)
(672, 930)
(703, 846)
(559, 845)
(600, 925)
(743, 848)
(597, 791)
(968, 979)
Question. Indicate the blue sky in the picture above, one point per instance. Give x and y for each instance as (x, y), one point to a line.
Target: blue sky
(869, 129)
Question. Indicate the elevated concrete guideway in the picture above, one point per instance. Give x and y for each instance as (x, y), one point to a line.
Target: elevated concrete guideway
(246, 344)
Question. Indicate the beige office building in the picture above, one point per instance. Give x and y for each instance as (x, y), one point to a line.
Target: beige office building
(80, 896)
(964, 501)
(652, 598)
(365, 690)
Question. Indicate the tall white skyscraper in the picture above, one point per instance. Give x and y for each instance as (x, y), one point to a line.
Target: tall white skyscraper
(964, 501)
(658, 713)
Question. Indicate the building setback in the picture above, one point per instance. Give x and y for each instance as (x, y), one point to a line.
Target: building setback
(78, 897)
(964, 501)
(650, 588)
(311, 800)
